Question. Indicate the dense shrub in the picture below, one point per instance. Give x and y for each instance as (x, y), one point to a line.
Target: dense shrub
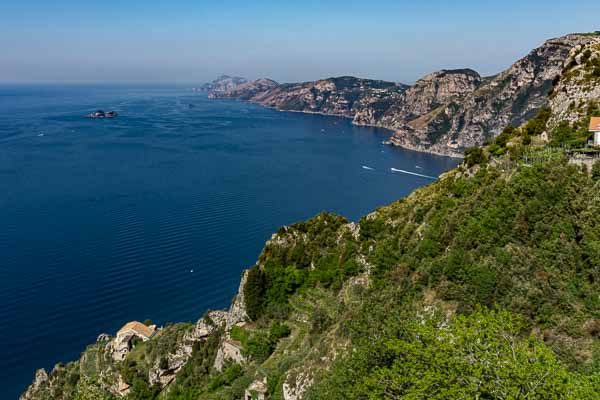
(596, 170)
(537, 125)
(484, 355)
(474, 156)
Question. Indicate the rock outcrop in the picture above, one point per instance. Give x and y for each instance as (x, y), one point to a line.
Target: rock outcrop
(579, 85)
(444, 113)
(41, 379)
(509, 98)
(163, 375)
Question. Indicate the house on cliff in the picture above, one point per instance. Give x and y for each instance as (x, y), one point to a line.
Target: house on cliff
(257, 390)
(595, 130)
(123, 342)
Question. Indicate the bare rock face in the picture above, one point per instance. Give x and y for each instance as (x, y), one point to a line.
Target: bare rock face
(424, 96)
(206, 326)
(509, 98)
(229, 350)
(579, 84)
(209, 324)
(104, 337)
(443, 113)
(297, 384)
(41, 379)
(237, 310)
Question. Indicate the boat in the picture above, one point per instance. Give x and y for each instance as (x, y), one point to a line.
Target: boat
(111, 114)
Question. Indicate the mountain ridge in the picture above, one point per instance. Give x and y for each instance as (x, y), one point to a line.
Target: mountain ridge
(444, 112)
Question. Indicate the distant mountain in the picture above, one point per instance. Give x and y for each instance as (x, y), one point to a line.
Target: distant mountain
(345, 96)
(245, 90)
(444, 113)
(223, 83)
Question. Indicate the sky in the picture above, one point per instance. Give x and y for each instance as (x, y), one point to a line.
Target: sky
(193, 41)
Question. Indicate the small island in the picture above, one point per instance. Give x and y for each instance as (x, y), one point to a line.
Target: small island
(101, 114)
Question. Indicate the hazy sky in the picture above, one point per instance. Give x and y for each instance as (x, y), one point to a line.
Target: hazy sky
(189, 41)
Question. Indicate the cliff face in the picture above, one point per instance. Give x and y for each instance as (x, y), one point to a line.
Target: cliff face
(579, 85)
(426, 95)
(509, 98)
(444, 113)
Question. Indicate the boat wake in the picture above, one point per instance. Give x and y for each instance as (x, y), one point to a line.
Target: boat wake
(368, 168)
(413, 173)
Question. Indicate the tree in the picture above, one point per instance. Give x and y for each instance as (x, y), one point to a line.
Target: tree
(254, 291)
(474, 156)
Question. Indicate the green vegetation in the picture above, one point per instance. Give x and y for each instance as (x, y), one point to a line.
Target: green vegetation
(485, 354)
(523, 242)
(474, 156)
(258, 345)
(317, 254)
(482, 285)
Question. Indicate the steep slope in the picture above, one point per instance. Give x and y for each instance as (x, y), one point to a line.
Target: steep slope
(445, 113)
(336, 307)
(483, 284)
(578, 87)
(509, 98)
(426, 95)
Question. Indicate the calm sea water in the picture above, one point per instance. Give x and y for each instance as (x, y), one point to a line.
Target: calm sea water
(103, 221)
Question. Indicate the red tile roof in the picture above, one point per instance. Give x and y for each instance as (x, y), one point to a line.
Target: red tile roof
(595, 124)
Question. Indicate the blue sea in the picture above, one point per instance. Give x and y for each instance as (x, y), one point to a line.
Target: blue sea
(155, 214)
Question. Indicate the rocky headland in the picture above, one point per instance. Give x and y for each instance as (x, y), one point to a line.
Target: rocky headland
(444, 113)
(483, 284)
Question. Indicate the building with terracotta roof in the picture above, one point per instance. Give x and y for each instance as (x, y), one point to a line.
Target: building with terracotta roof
(595, 129)
(122, 343)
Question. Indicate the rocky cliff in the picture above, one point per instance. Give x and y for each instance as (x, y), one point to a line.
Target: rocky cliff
(579, 85)
(509, 98)
(483, 284)
(444, 113)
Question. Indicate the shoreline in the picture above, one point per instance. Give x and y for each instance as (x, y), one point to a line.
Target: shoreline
(388, 142)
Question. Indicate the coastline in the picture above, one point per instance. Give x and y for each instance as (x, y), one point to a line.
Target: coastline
(390, 141)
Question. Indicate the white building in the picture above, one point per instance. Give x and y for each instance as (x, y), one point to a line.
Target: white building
(595, 129)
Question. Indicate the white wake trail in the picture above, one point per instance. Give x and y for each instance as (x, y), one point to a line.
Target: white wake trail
(413, 173)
